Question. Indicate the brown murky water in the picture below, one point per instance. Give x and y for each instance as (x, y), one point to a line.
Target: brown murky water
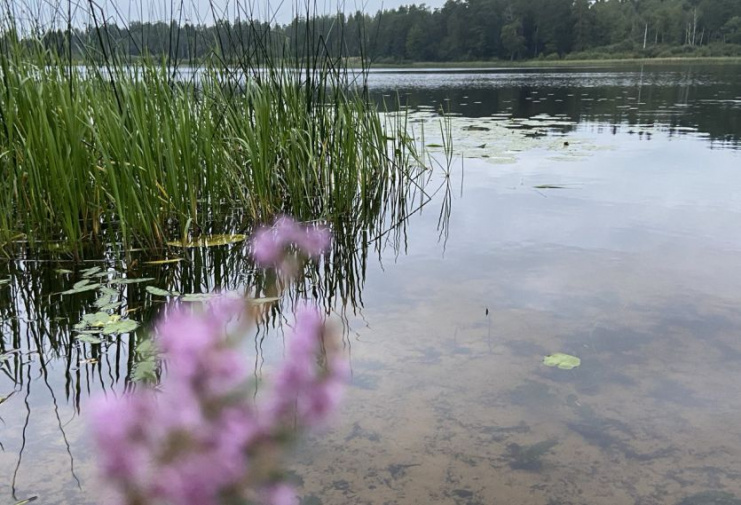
(633, 264)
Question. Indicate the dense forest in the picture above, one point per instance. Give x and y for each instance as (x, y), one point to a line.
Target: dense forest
(460, 30)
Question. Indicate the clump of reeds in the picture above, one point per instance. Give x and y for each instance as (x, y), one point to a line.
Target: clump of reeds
(136, 152)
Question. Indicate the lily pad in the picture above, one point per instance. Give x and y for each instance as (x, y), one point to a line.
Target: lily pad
(197, 297)
(105, 290)
(562, 361)
(263, 301)
(89, 339)
(153, 290)
(89, 272)
(78, 285)
(103, 301)
(163, 262)
(131, 280)
(97, 320)
(209, 241)
(111, 306)
(81, 289)
(123, 326)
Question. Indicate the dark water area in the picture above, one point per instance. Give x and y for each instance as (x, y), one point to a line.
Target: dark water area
(602, 220)
(705, 98)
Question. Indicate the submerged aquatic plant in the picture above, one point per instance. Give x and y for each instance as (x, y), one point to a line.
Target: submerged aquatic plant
(201, 437)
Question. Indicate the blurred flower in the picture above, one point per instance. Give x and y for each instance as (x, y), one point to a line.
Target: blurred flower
(201, 438)
(270, 245)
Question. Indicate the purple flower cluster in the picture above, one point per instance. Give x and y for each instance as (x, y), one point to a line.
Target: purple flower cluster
(271, 245)
(200, 438)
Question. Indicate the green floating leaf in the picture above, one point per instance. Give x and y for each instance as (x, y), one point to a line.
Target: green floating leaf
(105, 290)
(209, 241)
(122, 326)
(562, 361)
(89, 272)
(548, 186)
(434, 145)
(89, 339)
(163, 262)
(153, 290)
(103, 301)
(4, 281)
(131, 281)
(63, 271)
(111, 306)
(78, 285)
(197, 297)
(99, 319)
(87, 287)
(145, 371)
(263, 301)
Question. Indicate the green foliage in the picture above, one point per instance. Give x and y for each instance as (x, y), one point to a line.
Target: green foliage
(136, 152)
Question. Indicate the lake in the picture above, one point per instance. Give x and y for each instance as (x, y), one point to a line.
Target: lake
(588, 211)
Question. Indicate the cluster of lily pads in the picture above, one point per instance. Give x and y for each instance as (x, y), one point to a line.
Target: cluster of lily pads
(104, 321)
(500, 138)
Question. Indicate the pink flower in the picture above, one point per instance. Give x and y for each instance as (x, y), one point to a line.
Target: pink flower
(119, 427)
(192, 441)
(270, 245)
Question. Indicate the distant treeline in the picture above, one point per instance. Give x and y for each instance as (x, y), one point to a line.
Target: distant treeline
(461, 30)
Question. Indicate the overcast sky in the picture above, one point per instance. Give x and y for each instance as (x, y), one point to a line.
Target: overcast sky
(203, 11)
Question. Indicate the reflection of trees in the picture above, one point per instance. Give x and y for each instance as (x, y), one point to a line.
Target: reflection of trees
(666, 105)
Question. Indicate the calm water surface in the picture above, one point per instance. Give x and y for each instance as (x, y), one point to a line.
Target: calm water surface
(610, 231)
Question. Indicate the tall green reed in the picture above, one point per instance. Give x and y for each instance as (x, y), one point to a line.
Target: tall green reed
(137, 152)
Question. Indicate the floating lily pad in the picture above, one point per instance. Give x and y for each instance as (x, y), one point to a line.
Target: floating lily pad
(163, 262)
(123, 326)
(96, 320)
(81, 289)
(131, 280)
(111, 306)
(562, 361)
(90, 271)
(153, 290)
(197, 297)
(209, 241)
(103, 301)
(262, 301)
(89, 339)
(105, 290)
(80, 284)
(548, 186)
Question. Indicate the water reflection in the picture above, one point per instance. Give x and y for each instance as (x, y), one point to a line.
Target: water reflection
(677, 100)
(49, 370)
